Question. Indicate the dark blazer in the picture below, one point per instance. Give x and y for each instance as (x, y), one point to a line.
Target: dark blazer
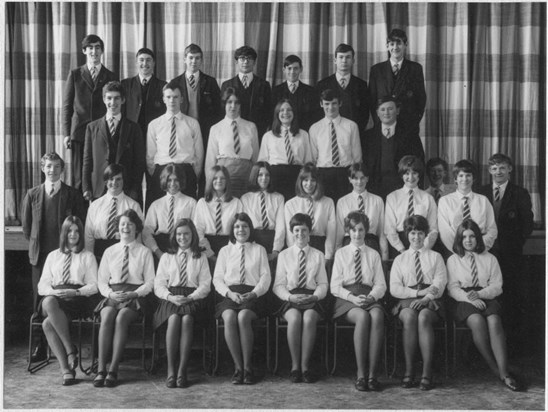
(209, 102)
(355, 98)
(258, 110)
(305, 102)
(71, 202)
(515, 218)
(405, 144)
(153, 101)
(407, 87)
(130, 154)
(83, 100)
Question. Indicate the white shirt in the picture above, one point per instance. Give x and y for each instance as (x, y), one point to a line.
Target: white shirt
(83, 271)
(391, 129)
(348, 141)
(249, 78)
(346, 78)
(344, 274)
(325, 223)
(287, 272)
(227, 269)
(502, 189)
(141, 268)
(273, 148)
(443, 189)
(251, 203)
(450, 209)
(189, 144)
(396, 213)
(403, 274)
(196, 76)
(48, 185)
(290, 84)
(197, 270)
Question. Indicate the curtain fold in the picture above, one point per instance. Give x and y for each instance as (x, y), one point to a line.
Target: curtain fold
(483, 64)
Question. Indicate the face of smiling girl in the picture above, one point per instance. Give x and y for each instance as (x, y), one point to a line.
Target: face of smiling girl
(73, 236)
(128, 229)
(357, 234)
(263, 178)
(241, 231)
(309, 185)
(183, 235)
(411, 179)
(469, 241)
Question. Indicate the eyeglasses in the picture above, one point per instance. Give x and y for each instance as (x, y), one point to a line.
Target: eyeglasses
(244, 59)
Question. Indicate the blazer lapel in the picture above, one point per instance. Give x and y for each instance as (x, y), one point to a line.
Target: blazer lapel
(86, 75)
(103, 132)
(122, 139)
(63, 195)
(136, 88)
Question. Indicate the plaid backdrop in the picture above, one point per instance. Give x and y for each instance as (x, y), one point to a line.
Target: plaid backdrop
(484, 67)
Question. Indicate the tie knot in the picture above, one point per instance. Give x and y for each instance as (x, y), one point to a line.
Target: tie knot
(357, 252)
(234, 123)
(145, 81)
(417, 253)
(218, 200)
(410, 192)
(126, 248)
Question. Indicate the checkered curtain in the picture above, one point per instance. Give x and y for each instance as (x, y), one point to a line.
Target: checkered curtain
(484, 67)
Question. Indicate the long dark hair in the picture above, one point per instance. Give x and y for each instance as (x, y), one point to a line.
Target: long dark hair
(244, 217)
(277, 124)
(194, 244)
(468, 224)
(65, 227)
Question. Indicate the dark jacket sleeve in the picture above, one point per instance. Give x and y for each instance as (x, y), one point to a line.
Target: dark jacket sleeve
(68, 104)
(26, 214)
(87, 167)
(139, 157)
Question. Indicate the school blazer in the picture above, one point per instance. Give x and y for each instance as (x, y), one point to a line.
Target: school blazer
(153, 101)
(83, 100)
(209, 102)
(305, 102)
(355, 98)
(130, 153)
(515, 218)
(407, 88)
(71, 202)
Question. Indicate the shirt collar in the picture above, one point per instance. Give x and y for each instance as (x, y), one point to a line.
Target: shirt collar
(362, 194)
(421, 250)
(131, 245)
(290, 83)
(249, 77)
(339, 76)
(360, 248)
(141, 78)
(117, 117)
(462, 196)
(502, 186)
(305, 249)
(178, 115)
(237, 119)
(110, 197)
(393, 62)
(336, 120)
(97, 66)
(56, 186)
(392, 128)
(196, 75)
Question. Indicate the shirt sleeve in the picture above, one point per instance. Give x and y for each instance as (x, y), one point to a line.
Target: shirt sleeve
(379, 283)
(494, 283)
(198, 148)
(264, 273)
(440, 277)
(151, 225)
(104, 275)
(331, 230)
(219, 273)
(321, 279)
(204, 280)
(453, 282)
(432, 218)
(337, 277)
(90, 275)
(148, 273)
(356, 145)
(279, 232)
(151, 147)
(280, 281)
(491, 226)
(397, 288)
(390, 224)
(46, 279)
(161, 281)
(446, 231)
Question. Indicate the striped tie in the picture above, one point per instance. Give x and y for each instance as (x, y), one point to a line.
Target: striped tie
(334, 145)
(358, 266)
(144, 82)
(170, 217)
(361, 206)
(497, 194)
(343, 83)
(292, 88)
(182, 269)
(311, 209)
(465, 208)
(418, 269)
(242, 266)
(191, 81)
(302, 270)
(264, 216)
(395, 69)
(173, 139)
(218, 217)
(244, 81)
(437, 195)
(66, 269)
(125, 265)
(111, 126)
(288, 150)
(93, 72)
(410, 207)
(236, 137)
(111, 228)
(475, 281)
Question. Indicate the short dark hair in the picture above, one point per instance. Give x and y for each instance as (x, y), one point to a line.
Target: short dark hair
(277, 124)
(208, 195)
(244, 217)
(90, 39)
(169, 170)
(397, 34)
(354, 218)
(146, 50)
(358, 167)
(386, 99)
(194, 49)
(172, 85)
(468, 224)
(133, 217)
(52, 157)
(112, 170)
(253, 185)
(194, 244)
(309, 170)
(114, 86)
(465, 166)
(344, 48)
(300, 219)
(498, 158)
(416, 222)
(65, 227)
(292, 59)
(410, 162)
(436, 161)
(227, 93)
(245, 51)
(329, 95)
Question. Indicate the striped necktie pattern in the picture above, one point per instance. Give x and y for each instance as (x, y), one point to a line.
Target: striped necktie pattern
(218, 217)
(173, 139)
(66, 269)
(264, 215)
(182, 268)
(465, 208)
(410, 204)
(288, 150)
(358, 266)
(242, 266)
(475, 279)
(171, 214)
(418, 268)
(111, 227)
(302, 270)
(334, 145)
(125, 265)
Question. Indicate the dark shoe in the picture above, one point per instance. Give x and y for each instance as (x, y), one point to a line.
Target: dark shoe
(73, 364)
(238, 377)
(426, 383)
(39, 353)
(295, 376)
(361, 385)
(511, 383)
(249, 378)
(111, 380)
(99, 380)
(170, 382)
(182, 382)
(308, 377)
(408, 382)
(69, 378)
(373, 385)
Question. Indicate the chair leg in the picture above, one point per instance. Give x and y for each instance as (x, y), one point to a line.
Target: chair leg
(395, 351)
(268, 343)
(385, 353)
(446, 352)
(334, 349)
(277, 346)
(216, 364)
(326, 346)
(40, 364)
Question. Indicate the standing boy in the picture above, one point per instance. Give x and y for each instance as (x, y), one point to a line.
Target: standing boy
(437, 171)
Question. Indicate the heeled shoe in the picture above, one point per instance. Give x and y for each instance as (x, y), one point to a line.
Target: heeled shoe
(408, 382)
(170, 382)
(69, 378)
(373, 384)
(182, 381)
(99, 380)
(111, 380)
(426, 383)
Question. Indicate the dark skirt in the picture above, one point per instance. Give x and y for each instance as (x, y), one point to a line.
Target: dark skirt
(143, 305)
(162, 240)
(436, 305)
(371, 240)
(317, 242)
(103, 244)
(217, 242)
(76, 307)
(259, 305)
(320, 306)
(283, 178)
(462, 310)
(165, 308)
(342, 306)
(265, 238)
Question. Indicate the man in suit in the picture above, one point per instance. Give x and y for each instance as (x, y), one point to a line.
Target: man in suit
(352, 90)
(255, 93)
(304, 98)
(113, 139)
(514, 218)
(384, 145)
(45, 207)
(82, 101)
(400, 78)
